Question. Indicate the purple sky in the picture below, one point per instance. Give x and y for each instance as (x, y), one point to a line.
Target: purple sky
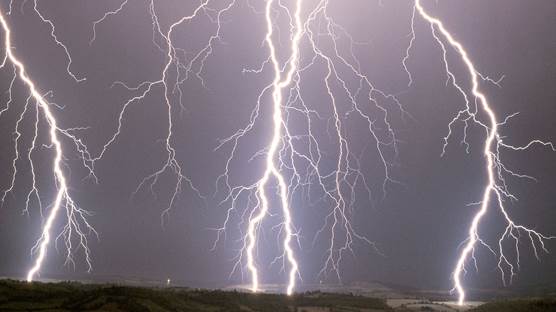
(419, 222)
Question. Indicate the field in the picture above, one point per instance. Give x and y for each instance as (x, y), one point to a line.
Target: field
(66, 296)
(72, 296)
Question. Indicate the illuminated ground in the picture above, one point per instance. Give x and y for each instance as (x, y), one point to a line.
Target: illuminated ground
(71, 296)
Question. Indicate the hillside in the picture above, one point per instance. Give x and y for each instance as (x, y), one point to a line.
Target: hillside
(69, 296)
(73, 296)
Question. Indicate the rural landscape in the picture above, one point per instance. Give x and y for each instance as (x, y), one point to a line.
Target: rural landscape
(74, 296)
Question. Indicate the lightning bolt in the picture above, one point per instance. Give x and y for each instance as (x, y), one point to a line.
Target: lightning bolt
(146, 87)
(495, 191)
(56, 40)
(77, 224)
(295, 158)
(300, 170)
(194, 67)
(278, 85)
(294, 169)
(295, 161)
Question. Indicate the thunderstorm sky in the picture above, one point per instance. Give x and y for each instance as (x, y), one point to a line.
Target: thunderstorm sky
(417, 224)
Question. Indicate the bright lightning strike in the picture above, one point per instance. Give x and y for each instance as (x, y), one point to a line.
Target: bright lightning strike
(296, 170)
(278, 85)
(301, 170)
(296, 158)
(475, 102)
(77, 224)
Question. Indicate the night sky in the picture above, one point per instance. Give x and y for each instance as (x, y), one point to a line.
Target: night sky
(417, 224)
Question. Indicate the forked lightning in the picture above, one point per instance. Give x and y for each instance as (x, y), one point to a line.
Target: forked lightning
(304, 46)
(77, 226)
(475, 102)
